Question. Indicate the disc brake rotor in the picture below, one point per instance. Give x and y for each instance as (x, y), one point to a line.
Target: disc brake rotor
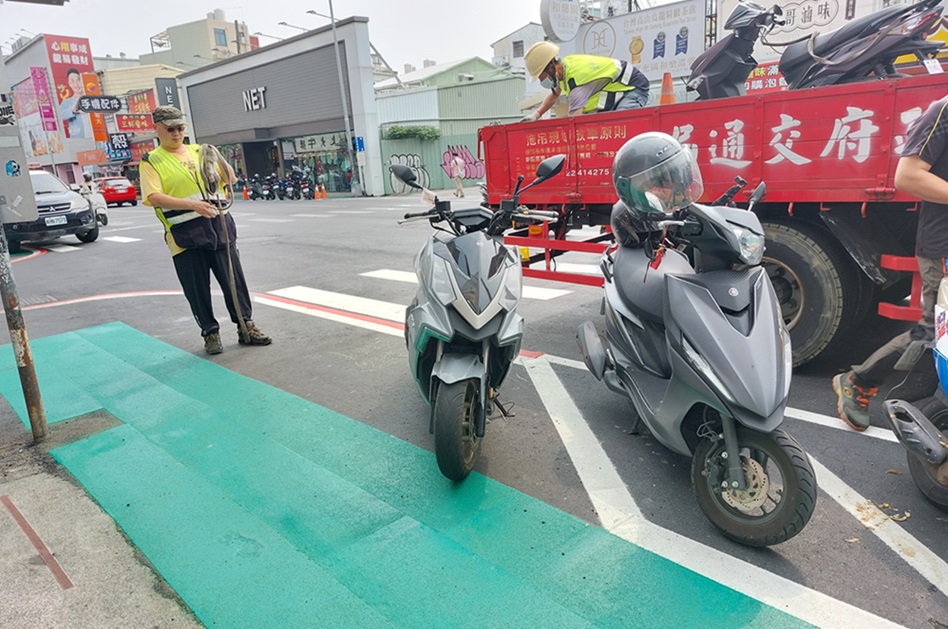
(758, 487)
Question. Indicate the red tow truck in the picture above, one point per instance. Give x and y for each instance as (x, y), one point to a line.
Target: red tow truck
(839, 235)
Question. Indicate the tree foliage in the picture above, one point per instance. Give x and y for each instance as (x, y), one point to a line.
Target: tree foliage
(425, 134)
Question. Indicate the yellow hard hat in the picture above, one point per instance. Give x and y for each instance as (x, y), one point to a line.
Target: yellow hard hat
(539, 56)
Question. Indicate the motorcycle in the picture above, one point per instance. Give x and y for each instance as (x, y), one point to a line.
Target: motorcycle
(255, 189)
(98, 205)
(281, 187)
(922, 429)
(864, 47)
(695, 339)
(306, 189)
(722, 69)
(268, 188)
(462, 329)
(867, 46)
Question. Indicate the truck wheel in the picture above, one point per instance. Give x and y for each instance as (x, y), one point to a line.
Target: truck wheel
(817, 284)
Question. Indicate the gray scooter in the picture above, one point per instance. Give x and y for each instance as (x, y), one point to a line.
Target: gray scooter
(694, 337)
(462, 329)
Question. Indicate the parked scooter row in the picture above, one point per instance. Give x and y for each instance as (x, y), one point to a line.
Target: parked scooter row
(865, 48)
(271, 187)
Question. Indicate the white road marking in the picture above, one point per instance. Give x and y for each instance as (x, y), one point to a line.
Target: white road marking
(62, 248)
(568, 267)
(311, 215)
(837, 424)
(122, 239)
(269, 220)
(529, 292)
(349, 303)
(913, 552)
(350, 212)
(620, 515)
(616, 507)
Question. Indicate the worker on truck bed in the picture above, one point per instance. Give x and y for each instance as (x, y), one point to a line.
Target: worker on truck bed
(593, 84)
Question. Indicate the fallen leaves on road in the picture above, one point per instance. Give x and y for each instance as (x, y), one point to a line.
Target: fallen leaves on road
(896, 472)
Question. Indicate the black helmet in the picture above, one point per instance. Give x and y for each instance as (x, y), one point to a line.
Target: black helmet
(655, 176)
(87, 176)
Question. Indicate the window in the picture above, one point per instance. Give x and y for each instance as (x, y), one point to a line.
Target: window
(518, 49)
(220, 37)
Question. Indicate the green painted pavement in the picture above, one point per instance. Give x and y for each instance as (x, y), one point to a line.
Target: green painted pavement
(263, 509)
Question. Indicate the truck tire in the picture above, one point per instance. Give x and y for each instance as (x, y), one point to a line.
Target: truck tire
(818, 285)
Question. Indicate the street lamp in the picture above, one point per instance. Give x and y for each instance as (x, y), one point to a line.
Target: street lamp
(342, 94)
(259, 34)
(293, 26)
(205, 58)
(190, 65)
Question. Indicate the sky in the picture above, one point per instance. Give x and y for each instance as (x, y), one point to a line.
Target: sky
(403, 32)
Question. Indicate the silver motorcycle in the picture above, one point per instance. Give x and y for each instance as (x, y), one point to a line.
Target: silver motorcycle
(462, 329)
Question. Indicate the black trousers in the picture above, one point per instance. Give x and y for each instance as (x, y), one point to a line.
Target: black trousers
(194, 267)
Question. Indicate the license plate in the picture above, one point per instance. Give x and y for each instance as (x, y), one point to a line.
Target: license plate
(55, 220)
(120, 189)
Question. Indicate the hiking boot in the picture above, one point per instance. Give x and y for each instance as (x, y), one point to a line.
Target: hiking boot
(257, 337)
(853, 405)
(212, 343)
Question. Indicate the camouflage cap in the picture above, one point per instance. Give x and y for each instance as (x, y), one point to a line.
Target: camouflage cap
(168, 116)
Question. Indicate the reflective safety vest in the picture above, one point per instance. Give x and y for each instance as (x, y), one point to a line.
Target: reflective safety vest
(188, 228)
(623, 77)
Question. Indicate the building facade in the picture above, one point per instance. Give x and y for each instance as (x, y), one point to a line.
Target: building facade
(196, 44)
(280, 107)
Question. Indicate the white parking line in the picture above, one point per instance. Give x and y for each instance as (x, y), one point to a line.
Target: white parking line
(529, 292)
(620, 515)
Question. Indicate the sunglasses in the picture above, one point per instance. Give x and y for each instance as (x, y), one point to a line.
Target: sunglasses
(179, 128)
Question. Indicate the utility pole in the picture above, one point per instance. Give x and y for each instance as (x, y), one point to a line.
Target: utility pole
(17, 203)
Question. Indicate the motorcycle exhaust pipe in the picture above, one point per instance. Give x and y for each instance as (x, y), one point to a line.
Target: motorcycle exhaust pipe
(919, 436)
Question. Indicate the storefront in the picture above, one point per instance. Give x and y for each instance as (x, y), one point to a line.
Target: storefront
(279, 108)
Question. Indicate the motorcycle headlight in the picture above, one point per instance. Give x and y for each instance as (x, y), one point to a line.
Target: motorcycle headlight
(702, 367)
(435, 274)
(751, 244)
(79, 204)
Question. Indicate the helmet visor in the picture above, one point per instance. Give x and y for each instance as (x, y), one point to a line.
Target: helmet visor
(669, 186)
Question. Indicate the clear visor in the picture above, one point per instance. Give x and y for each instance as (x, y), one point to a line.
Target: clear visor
(672, 185)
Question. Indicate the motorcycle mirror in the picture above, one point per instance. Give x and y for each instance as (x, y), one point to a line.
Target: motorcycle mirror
(759, 192)
(550, 167)
(404, 174)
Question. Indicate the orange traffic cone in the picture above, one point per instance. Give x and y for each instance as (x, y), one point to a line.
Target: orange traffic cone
(246, 196)
(667, 96)
(325, 196)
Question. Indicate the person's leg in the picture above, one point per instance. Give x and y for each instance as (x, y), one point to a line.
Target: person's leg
(459, 186)
(635, 99)
(192, 267)
(855, 388)
(257, 337)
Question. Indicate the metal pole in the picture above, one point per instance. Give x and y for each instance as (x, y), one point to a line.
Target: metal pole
(21, 344)
(345, 104)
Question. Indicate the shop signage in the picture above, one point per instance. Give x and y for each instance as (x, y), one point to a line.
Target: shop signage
(99, 104)
(322, 142)
(560, 18)
(90, 158)
(167, 89)
(117, 149)
(140, 148)
(254, 99)
(134, 123)
(142, 102)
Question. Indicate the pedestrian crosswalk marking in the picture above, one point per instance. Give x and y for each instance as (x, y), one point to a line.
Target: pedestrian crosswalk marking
(348, 303)
(62, 248)
(269, 220)
(121, 239)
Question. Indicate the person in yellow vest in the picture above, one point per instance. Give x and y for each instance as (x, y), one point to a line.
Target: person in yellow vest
(171, 184)
(592, 84)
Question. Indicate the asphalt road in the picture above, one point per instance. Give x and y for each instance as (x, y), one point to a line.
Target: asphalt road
(850, 552)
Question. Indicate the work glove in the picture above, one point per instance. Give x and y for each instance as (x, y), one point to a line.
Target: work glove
(533, 116)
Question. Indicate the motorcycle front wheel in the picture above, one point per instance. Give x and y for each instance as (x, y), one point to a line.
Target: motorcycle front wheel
(781, 488)
(456, 445)
(924, 473)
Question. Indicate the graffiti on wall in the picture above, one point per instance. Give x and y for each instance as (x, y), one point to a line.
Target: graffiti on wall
(473, 168)
(413, 161)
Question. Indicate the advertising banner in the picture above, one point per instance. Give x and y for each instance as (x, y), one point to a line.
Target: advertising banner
(43, 101)
(134, 123)
(90, 82)
(69, 59)
(99, 104)
(37, 134)
(142, 102)
(663, 39)
(140, 148)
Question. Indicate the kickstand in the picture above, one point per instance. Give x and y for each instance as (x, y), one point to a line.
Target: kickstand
(506, 411)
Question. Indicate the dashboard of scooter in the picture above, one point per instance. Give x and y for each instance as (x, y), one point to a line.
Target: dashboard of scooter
(472, 219)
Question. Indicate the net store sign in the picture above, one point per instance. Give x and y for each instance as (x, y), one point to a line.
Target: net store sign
(255, 98)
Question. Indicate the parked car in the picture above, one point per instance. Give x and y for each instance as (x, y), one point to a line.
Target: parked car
(117, 190)
(62, 212)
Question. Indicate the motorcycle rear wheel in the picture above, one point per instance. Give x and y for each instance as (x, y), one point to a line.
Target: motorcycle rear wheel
(780, 494)
(456, 445)
(923, 473)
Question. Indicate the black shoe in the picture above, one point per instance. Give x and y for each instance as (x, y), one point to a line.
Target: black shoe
(212, 343)
(257, 337)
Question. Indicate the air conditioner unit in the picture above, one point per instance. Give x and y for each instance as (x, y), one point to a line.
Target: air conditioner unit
(502, 61)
